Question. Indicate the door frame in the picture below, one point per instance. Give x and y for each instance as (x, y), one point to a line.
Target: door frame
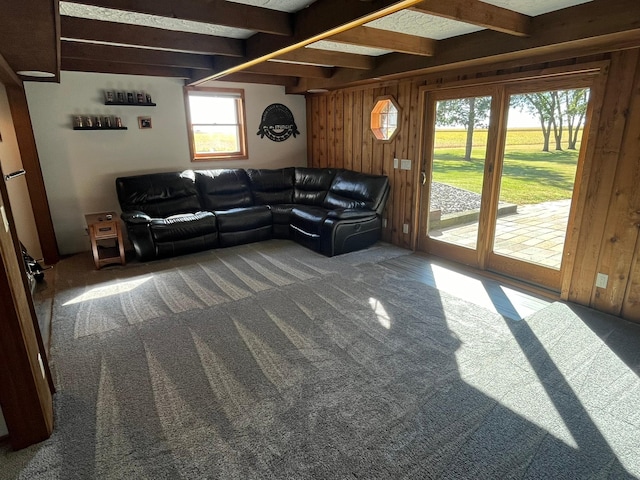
(483, 258)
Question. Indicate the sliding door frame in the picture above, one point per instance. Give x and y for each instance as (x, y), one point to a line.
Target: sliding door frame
(501, 88)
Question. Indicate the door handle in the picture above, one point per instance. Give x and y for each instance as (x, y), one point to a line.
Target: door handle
(424, 177)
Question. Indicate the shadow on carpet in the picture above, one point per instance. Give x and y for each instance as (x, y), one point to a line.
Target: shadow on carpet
(269, 361)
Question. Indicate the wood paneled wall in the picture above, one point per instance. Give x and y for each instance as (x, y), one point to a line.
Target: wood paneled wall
(340, 136)
(606, 224)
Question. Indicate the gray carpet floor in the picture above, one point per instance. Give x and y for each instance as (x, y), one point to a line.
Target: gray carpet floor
(268, 361)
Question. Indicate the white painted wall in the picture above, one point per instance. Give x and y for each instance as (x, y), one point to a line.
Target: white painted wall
(10, 161)
(80, 167)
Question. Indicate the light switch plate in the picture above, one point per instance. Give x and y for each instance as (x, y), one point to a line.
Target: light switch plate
(601, 280)
(395, 163)
(4, 218)
(405, 164)
(405, 228)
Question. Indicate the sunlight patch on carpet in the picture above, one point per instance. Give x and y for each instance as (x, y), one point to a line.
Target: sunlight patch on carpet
(108, 290)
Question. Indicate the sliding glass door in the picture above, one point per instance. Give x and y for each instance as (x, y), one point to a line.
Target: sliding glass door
(499, 174)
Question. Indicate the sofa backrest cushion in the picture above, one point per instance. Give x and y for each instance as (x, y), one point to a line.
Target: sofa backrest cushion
(271, 186)
(312, 184)
(159, 194)
(223, 189)
(357, 190)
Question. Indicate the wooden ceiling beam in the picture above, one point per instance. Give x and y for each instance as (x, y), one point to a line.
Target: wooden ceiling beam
(243, 77)
(110, 53)
(98, 66)
(29, 35)
(320, 20)
(7, 75)
(393, 41)
(478, 13)
(596, 27)
(329, 58)
(218, 12)
(148, 37)
(290, 70)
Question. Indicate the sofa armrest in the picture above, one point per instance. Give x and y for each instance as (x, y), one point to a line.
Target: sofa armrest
(135, 217)
(350, 213)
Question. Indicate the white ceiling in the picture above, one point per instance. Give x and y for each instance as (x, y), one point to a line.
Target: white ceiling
(119, 16)
(405, 21)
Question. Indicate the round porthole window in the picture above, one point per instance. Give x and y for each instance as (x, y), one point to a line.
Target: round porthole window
(384, 118)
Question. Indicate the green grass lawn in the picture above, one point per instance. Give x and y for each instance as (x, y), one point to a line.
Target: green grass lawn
(529, 175)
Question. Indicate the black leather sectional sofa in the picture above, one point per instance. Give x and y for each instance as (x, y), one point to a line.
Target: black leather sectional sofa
(331, 211)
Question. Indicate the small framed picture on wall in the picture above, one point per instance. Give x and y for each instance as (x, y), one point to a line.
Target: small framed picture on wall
(144, 122)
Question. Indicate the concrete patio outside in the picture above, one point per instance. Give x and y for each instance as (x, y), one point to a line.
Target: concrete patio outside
(535, 233)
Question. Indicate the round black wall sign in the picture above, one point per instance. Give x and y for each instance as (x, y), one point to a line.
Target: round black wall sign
(277, 123)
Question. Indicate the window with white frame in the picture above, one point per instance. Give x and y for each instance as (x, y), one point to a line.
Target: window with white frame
(216, 118)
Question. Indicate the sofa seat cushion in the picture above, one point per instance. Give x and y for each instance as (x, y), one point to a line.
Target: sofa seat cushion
(281, 213)
(240, 219)
(308, 219)
(183, 226)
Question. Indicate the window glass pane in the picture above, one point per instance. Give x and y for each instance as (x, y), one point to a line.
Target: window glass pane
(457, 175)
(544, 133)
(213, 110)
(218, 139)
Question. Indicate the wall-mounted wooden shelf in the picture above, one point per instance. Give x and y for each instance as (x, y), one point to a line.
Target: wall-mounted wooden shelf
(100, 128)
(127, 104)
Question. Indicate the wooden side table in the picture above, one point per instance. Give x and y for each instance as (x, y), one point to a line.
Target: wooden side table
(106, 238)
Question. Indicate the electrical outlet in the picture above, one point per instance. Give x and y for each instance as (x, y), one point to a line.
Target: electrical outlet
(405, 164)
(395, 163)
(405, 228)
(601, 280)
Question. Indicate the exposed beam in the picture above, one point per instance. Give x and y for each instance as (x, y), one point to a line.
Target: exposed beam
(585, 29)
(326, 57)
(290, 70)
(149, 37)
(110, 53)
(480, 14)
(218, 12)
(242, 77)
(29, 35)
(76, 65)
(396, 42)
(319, 21)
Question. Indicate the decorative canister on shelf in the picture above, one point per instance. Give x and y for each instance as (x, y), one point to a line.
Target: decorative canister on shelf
(108, 122)
(118, 122)
(78, 121)
(109, 96)
(130, 97)
(88, 122)
(148, 98)
(97, 122)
